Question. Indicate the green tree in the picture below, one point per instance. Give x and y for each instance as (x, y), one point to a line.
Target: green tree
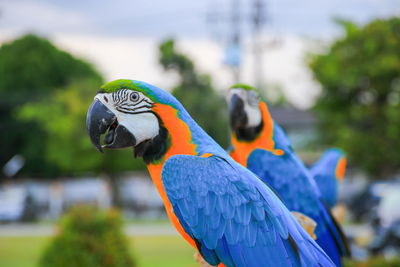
(30, 70)
(196, 93)
(359, 106)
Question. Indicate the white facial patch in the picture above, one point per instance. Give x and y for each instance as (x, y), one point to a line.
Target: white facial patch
(143, 126)
(132, 111)
(253, 115)
(251, 106)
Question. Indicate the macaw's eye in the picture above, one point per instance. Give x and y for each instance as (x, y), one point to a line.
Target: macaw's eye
(253, 98)
(134, 97)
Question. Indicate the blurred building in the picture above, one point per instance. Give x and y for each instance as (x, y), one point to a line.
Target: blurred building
(30, 200)
(300, 126)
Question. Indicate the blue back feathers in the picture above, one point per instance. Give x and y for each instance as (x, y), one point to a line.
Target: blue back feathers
(288, 176)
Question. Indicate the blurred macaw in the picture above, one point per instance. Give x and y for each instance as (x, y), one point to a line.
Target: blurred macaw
(218, 206)
(327, 172)
(261, 145)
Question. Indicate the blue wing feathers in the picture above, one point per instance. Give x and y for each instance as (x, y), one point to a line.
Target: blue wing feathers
(210, 203)
(225, 253)
(336, 231)
(258, 212)
(207, 254)
(288, 176)
(233, 216)
(215, 220)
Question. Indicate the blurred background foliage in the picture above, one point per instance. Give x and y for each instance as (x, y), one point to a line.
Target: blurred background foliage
(196, 93)
(31, 68)
(358, 109)
(44, 99)
(374, 262)
(45, 96)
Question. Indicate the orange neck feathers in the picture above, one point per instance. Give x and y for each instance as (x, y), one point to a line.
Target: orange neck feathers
(181, 143)
(264, 140)
(341, 168)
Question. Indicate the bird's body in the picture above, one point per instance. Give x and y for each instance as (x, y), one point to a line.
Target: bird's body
(218, 206)
(327, 172)
(265, 150)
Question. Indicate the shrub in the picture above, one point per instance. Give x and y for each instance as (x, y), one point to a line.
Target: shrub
(88, 237)
(374, 262)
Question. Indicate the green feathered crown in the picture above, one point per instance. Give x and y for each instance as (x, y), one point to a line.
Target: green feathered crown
(244, 86)
(119, 84)
(147, 89)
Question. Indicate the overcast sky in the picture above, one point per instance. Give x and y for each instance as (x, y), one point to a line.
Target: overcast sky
(120, 37)
(181, 17)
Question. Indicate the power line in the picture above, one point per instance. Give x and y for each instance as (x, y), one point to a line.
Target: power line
(257, 20)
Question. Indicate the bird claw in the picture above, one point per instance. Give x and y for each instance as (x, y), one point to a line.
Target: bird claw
(307, 223)
(200, 260)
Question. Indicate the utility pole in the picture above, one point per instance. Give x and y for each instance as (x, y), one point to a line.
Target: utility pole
(236, 40)
(232, 40)
(234, 47)
(258, 20)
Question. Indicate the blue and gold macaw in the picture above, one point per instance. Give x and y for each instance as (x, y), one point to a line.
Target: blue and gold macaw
(328, 171)
(221, 208)
(262, 146)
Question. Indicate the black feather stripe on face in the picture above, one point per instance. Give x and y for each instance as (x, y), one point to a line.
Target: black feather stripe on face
(155, 148)
(123, 102)
(248, 133)
(133, 110)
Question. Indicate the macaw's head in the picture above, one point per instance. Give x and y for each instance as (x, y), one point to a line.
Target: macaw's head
(244, 108)
(123, 112)
(332, 162)
(337, 157)
(245, 112)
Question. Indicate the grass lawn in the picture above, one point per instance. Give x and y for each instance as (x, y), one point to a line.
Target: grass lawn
(151, 251)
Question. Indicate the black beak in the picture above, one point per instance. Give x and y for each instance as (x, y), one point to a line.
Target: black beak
(237, 114)
(100, 120)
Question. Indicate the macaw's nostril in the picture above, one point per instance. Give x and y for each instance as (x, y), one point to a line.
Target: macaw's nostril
(109, 138)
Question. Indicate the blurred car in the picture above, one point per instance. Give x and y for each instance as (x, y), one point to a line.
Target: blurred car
(84, 190)
(357, 194)
(139, 197)
(387, 240)
(388, 209)
(12, 202)
(24, 201)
